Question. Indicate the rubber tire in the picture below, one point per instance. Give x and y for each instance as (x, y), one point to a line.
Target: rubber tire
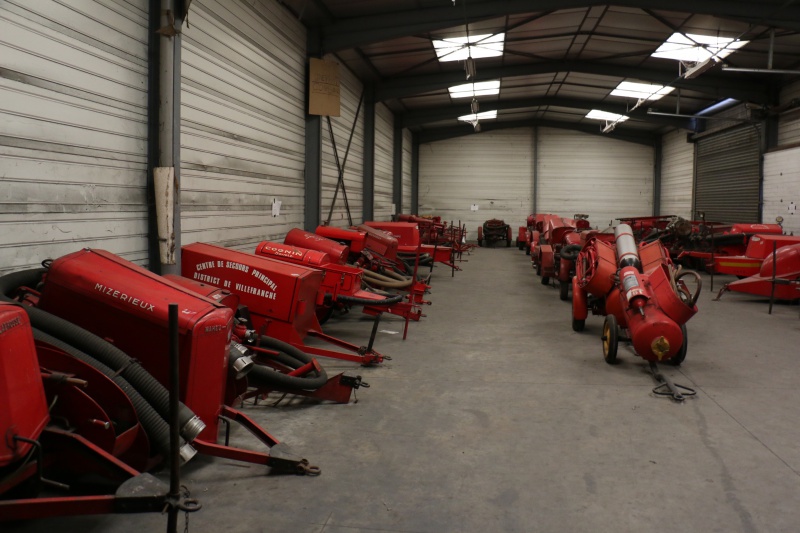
(563, 290)
(578, 325)
(545, 280)
(538, 269)
(679, 357)
(480, 242)
(610, 339)
(527, 250)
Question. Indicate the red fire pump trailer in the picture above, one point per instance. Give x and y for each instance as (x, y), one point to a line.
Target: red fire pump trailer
(341, 284)
(778, 278)
(281, 298)
(560, 234)
(494, 230)
(120, 301)
(410, 247)
(375, 252)
(89, 432)
(644, 299)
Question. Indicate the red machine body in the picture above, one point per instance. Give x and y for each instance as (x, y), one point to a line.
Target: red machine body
(778, 277)
(638, 288)
(557, 233)
(128, 305)
(282, 298)
(337, 252)
(23, 408)
(362, 238)
(748, 264)
(409, 241)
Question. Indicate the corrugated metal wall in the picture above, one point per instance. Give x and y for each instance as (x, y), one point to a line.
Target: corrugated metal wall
(407, 145)
(351, 93)
(782, 188)
(384, 161)
(727, 174)
(242, 122)
(73, 128)
(677, 173)
(603, 178)
(492, 170)
(789, 123)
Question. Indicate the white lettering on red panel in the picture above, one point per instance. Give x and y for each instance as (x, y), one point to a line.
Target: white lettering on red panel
(122, 297)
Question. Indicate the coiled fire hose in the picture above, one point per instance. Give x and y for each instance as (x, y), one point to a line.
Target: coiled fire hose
(390, 280)
(155, 393)
(366, 301)
(570, 252)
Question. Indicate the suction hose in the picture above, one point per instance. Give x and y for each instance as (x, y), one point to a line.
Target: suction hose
(292, 357)
(373, 278)
(366, 301)
(155, 426)
(107, 353)
(570, 252)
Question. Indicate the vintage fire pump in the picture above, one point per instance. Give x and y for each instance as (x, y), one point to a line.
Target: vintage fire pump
(644, 299)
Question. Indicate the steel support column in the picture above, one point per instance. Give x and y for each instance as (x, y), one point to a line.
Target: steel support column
(369, 153)
(414, 174)
(397, 167)
(312, 204)
(658, 154)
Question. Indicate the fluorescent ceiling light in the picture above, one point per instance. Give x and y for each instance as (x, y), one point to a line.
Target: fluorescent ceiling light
(486, 115)
(596, 114)
(696, 48)
(481, 88)
(641, 91)
(458, 49)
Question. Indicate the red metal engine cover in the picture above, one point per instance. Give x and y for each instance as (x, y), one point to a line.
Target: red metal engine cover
(24, 408)
(128, 305)
(269, 288)
(305, 239)
(293, 254)
(406, 233)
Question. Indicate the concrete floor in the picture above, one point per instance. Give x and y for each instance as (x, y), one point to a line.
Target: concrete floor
(494, 416)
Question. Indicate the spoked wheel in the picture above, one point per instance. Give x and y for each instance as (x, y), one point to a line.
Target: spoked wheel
(610, 339)
(678, 358)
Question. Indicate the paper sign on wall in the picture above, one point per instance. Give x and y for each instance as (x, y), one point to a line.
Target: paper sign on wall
(473, 207)
(276, 207)
(323, 87)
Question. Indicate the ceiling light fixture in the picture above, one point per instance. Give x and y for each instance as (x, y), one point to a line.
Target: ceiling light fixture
(469, 67)
(694, 71)
(474, 105)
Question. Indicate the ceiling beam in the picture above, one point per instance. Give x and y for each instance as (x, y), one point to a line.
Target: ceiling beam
(427, 116)
(442, 134)
(716, 86)
(359, 31)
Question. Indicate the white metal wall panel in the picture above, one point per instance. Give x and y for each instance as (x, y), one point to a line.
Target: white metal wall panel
(789, 122)
(677, 171)
(73, 126)
(601, 177)
(407, 146)
(493, 170)
(242, 122)
(384, 163)
(351, 92)
(782, 188)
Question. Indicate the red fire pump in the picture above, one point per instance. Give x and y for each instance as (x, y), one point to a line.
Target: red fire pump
(644, 299)
(433, 231)
(281, 298)
(89, 432)
(341, 284)
(117, 300)
(375, 252)
(410, 247)
(778, 277)
(559, 248)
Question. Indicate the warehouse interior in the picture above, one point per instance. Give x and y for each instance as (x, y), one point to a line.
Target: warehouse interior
(153, 141)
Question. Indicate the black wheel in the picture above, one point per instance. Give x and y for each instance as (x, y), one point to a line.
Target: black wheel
(610, 339)
(679, 357)
(577, 325)
(480, 242)
(527, 250)
(538, 269)
(563, 290)
(508, 243)
(545, 280)
(519, 245)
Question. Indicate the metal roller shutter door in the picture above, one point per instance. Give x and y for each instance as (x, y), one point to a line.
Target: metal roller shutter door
(727, 175)
(782, 188)
(384, 162)
(73, 128)
(351, 89)
(242, 122)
